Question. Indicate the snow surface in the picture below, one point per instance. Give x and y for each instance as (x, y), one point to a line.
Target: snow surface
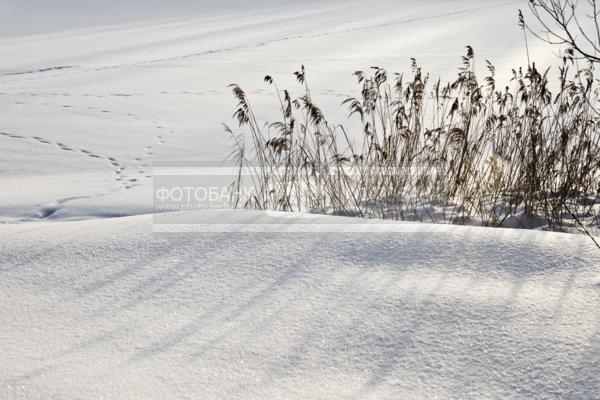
(93, 93)
(108, 309)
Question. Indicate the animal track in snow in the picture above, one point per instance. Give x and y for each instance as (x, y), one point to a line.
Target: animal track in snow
(41, 140)
(11, 135)
(112, 161)
(120, 174)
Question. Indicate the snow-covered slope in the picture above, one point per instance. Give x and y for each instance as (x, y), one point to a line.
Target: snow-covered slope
(107, 309)
(93, 92)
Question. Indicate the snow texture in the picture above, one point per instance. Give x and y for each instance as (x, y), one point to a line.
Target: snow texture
(108, 309)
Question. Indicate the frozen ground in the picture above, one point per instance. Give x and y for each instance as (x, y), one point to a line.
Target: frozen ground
(94, 93)
(106, 309)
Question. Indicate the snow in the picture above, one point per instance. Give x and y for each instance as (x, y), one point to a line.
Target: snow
(108, 309)
(249, 304)
(93, 93)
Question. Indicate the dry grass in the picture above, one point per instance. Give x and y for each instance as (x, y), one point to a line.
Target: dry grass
(467, 151)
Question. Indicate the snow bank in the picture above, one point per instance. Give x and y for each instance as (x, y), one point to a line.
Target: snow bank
(106, 309)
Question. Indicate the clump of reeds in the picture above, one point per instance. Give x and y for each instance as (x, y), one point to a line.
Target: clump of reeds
(467, 151)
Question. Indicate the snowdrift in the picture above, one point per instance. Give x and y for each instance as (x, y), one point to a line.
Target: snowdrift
(108, 309)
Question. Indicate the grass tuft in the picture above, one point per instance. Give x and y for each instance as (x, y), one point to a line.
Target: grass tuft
(467, 151)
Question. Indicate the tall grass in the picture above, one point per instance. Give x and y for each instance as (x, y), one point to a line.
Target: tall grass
(467, 151)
